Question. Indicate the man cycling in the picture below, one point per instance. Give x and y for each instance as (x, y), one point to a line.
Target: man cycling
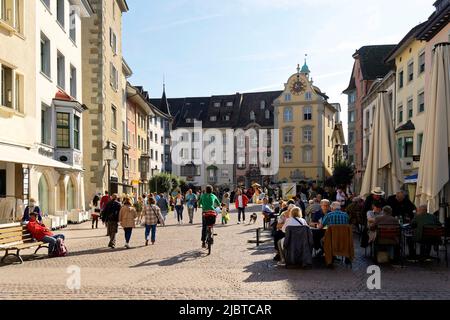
(208, 202)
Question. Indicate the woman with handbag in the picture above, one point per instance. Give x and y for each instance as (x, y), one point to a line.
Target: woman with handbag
(152, 218)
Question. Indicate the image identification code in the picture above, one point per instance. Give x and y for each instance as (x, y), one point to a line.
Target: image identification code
(227, 310)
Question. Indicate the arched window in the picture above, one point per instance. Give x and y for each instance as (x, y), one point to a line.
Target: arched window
(43, 195)
(267, 114)
(263, 105)
(288, 115)
(70, 196)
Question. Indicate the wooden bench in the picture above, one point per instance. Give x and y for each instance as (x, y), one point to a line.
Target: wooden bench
(15, 237)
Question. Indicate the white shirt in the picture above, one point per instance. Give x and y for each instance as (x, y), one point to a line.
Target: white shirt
(293, 222)
(241, 203)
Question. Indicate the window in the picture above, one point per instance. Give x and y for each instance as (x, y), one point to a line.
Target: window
(76, 132)
(409, 145)
(262, 105)
(400, 79)
(139, 142)
(422, 63)
(114, 77)
(217, 104)
(196, 153)
(161, 123)
(156, 138)
(410, 71)
(45, 55)
(351, 116)
(287, 97)
(410, 108)
(60, 12)
(162, 140)
(267, 114)
(287, 156)
(190, 170)
(288, 136)
(367, 124)
(419, 143)
(307, 135)
(19, 98)
(308, 96)
(351, 137)
(351, 98)
(6, 82)
(226, 118)
(288, 115)
(307, 113)
(421, 102)
(11, 13)
(73, 81)
(329, 161)
(162, 157)
(151, 135)
(400, 115)
(229, 104)
(213, 118)
(151, 153)
(61, 70)
(62, 130)
(307, 155)
(46, 125)
(156, 155)
(184, 136)
(252, 116)
(113, 41)
(225, 173)
(114, 117)
(72, 22)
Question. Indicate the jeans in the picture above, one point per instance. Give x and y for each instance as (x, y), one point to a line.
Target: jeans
(151, 228)
(179, 210)
(128, 232)
(51, 240)
(164, 215)
(241, 210)
(191, 214)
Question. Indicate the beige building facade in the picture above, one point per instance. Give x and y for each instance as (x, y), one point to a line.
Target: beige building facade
(306, 122)
(104, 97)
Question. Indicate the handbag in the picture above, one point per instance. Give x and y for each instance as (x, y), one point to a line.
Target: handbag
(157, 218)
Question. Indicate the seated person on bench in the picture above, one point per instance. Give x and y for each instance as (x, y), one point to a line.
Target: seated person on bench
(42, 233)
(32, 207)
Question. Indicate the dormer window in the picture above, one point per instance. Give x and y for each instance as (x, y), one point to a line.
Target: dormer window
(267, 114)
(263, 105)
(188, 120)
(226, 118)
(229, 104)
(252, 116)
(213, 118)
(216, 104)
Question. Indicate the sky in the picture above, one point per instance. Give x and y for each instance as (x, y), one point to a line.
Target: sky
(215, 47)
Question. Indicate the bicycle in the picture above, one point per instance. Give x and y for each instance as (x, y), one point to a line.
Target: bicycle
(210, 220)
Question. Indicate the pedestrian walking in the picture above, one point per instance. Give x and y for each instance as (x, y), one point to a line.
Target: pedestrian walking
(191, 199)
(226, 200)
(163, 205)
(111, 213)
(153, 217)
(127, 218)
(95, 213)
(241, 203)
(139, 206)
(179, 207)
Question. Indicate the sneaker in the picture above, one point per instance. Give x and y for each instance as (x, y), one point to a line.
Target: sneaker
(203, 244)
(239, 222)
(146, 242)
(281, 263)
(153, 242)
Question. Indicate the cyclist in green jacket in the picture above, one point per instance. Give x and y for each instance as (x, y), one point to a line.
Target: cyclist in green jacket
(208, 202)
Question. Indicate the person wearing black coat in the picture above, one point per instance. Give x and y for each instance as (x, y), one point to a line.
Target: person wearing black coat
(111, 214)
(401, 206)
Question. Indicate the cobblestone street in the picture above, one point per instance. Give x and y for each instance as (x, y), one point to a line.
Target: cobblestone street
(176, 267)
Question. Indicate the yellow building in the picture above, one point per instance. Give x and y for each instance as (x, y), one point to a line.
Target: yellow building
(409, 58)
(305, 121)
(104, 96)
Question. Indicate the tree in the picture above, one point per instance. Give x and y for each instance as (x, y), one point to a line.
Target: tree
(343, 174)
(161, 182)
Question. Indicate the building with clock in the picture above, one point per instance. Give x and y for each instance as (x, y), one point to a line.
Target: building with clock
(306, 121)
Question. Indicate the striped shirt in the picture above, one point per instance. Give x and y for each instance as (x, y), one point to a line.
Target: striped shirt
(335, 217)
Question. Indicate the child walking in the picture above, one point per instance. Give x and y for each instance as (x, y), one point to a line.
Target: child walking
(225, 213)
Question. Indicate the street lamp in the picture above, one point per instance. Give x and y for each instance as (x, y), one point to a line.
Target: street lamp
(109, 156)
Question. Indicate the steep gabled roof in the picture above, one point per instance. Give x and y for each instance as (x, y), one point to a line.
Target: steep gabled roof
(372, 63)
(437, 21)
(251, 102)
(406, 41)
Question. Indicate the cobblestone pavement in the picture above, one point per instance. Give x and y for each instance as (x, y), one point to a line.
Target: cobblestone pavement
(177, 268)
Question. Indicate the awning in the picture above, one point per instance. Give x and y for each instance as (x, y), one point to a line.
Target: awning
(22, 155)
(411, 179)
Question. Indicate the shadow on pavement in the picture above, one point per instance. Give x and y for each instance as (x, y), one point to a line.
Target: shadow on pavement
(184, 257)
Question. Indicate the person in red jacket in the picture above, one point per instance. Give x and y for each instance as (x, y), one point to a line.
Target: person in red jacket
(41, 233)
(241, 203)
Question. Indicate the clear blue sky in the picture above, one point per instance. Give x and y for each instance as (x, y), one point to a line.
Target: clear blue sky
(207, 47)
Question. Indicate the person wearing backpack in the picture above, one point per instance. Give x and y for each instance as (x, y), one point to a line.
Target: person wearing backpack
(41, 233)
